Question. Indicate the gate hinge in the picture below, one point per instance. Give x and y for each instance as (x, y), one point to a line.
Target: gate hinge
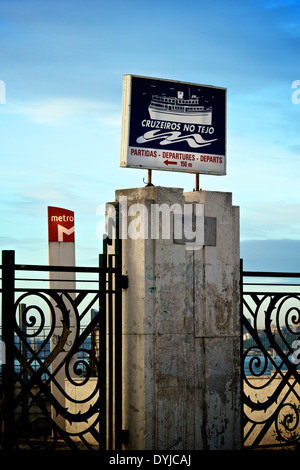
(124, 281)
(125, 436)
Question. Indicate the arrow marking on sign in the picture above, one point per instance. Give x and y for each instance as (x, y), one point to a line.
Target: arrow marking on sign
(167, 162)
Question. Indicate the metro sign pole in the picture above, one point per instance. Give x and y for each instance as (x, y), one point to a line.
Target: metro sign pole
(61, 250)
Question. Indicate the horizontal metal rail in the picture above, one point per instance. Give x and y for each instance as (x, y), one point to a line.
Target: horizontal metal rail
(270, 274)
(70, 269)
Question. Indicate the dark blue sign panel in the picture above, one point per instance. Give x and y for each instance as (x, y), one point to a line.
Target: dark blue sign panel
(169, 125)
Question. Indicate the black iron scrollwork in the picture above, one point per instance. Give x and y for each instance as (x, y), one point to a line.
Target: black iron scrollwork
(271, 369)
(43, 354)
(287, 429)
(58, 385)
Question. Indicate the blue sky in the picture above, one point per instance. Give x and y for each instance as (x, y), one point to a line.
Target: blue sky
(63, 64)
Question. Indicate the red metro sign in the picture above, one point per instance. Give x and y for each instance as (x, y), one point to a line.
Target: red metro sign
(61, 225)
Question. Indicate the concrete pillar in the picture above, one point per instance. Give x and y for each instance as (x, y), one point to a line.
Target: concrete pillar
(181, 331)
(61, 254)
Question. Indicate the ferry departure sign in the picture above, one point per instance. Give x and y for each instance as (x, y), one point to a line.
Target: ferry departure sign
(169, 125)
(60, 225)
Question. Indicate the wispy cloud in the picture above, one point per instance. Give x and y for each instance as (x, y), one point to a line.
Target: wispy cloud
(271, 255)
(270, 221)
(53, 111)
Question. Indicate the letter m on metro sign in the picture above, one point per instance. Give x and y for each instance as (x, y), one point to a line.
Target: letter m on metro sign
(61, 226)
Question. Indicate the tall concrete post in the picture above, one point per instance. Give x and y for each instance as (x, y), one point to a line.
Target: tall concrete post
(181, 331)
(61, 252)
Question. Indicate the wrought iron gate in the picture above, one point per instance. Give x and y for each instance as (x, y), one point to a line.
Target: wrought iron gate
(271, 358)
(62, 390)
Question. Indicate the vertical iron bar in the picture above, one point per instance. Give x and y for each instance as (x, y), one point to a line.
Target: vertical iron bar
(118, 334)
(8, 286)
(93, 341)
(242, 349)
(102, 377)
(110, 359)
(23, 351)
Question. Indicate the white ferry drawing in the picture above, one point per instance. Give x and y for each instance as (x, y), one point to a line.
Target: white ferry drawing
(178, 109)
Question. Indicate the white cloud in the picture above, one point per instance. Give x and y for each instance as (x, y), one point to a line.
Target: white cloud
(58, 110)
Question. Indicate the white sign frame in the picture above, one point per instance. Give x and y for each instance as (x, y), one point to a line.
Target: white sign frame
(173, 142)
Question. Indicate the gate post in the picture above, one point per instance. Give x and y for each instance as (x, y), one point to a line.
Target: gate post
(8, 321)
(181, 323)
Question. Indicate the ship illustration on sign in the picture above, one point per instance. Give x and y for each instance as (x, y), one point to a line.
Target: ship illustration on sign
(178, 109)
